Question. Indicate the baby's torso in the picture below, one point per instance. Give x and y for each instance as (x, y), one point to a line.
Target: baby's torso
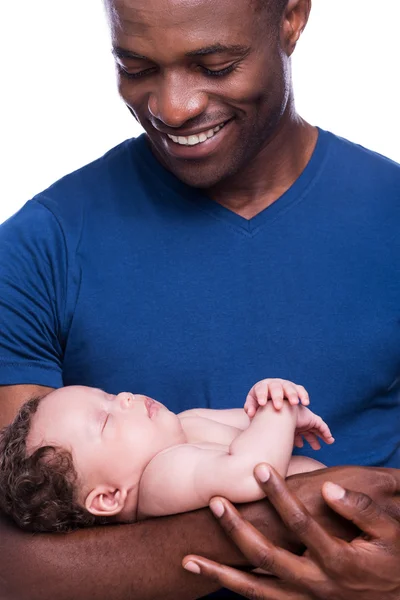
(206, 433)
(171, 482)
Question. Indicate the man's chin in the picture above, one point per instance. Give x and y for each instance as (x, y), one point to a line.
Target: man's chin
(202, 174)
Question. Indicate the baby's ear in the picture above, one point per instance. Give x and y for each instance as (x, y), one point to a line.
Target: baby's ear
(105, 501)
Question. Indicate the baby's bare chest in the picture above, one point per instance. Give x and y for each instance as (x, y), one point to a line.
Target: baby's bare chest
(209, 434)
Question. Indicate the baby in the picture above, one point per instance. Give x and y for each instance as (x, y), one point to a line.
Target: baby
(81, 457)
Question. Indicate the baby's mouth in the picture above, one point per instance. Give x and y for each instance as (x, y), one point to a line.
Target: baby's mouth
(151, 407)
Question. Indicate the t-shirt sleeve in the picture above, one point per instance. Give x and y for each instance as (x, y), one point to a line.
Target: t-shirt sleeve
(33, 291)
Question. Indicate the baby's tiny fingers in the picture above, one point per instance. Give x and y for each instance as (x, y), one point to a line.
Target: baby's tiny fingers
(298, 441)
(262, 399)
(325, 433)
(250, 407)
(276, 394)
(303, 395)
(312, 439)
(290, 392)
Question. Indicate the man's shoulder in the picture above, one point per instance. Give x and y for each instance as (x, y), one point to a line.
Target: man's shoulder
(359, 160)
(88, 194)
(100, 179)
(361, 181)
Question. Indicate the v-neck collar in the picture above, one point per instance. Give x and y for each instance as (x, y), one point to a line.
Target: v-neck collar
(248, 227)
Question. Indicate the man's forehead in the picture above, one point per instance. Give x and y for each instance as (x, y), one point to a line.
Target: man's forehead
(154, 13)
(174, 28)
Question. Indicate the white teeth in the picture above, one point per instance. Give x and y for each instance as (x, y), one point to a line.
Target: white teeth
(194, 140)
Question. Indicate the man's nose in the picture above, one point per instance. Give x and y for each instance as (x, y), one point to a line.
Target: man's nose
(176, 101)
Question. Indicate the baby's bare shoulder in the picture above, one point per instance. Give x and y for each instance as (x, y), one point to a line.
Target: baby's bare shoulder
(182, 458)
(173, 469)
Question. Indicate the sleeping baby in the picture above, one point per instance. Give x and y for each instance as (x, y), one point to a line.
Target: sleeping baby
(80, 457)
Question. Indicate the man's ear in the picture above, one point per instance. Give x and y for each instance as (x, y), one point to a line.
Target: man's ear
(105, 501)
(293, 23)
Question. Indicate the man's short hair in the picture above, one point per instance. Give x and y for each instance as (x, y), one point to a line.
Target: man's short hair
(275, 6)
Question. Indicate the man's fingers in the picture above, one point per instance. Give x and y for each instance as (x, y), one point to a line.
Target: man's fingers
(258, 550)
(362, 511)
(245, 584)
(237, 581)
(294, 514)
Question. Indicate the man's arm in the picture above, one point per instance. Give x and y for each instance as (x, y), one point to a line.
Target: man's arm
(12, 397)
(143, 561)
(365, 569)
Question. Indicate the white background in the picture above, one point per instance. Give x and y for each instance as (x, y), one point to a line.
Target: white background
(59, 107)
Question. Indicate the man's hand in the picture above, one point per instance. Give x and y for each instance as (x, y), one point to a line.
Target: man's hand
(367, 568)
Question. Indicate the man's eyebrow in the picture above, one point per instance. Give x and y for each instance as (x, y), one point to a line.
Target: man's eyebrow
(122, 53)
(119, 52)
(219, 49)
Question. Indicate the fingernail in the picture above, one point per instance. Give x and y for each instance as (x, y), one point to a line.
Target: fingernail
(218, 508)
(192, 567)
(262, 473)
(335, 492)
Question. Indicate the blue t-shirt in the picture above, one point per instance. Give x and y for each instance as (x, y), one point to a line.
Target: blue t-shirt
(122, 277)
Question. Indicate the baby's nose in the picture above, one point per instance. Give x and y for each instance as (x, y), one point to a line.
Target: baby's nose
(125, 399)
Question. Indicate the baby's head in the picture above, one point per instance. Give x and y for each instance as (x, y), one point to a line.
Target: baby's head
(75, 457)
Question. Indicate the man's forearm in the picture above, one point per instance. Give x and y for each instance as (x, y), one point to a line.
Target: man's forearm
(143, 561)
(140, 561)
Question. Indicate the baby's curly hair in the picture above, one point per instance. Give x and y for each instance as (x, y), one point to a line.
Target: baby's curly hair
(39, 491)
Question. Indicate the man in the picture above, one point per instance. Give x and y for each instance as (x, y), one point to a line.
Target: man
(235, 241)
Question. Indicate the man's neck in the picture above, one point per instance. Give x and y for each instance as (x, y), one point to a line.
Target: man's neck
(272, 172)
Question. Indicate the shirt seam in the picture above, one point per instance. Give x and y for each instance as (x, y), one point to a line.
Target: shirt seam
(28, 364)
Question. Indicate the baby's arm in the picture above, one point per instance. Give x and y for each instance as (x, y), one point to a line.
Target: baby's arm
(187, 476)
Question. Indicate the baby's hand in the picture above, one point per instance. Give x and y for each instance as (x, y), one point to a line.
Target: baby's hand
(310, 427)
(275, 390)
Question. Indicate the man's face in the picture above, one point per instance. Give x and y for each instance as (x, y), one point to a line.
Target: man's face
(111, 438)
(207, 80)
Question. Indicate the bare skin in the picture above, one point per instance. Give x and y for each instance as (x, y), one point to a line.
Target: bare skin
(267, 145)
(328, 569)
(143, 560)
